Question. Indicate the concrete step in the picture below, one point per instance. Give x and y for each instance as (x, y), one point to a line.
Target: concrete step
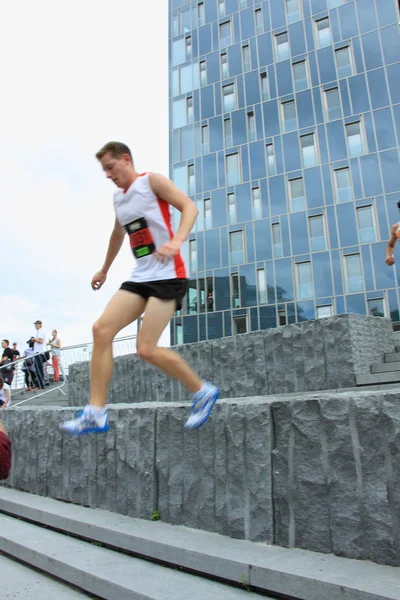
(103, 572)
(378, 378)
(25, 583)
(299, 574)
(392, 357)
(385, 367)
(396, 336)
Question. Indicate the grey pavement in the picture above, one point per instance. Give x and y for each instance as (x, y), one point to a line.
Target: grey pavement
(21, 582)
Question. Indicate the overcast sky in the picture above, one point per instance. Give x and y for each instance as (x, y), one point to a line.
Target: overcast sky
(74, 76)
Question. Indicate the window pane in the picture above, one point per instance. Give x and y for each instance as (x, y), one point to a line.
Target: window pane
(317, 234)
(308, 150)
(335, 3)
(289, 116)
(232, 169)
(343, 62)
(354, 275)
(246, 58)
(324, 33)
(193, 256)
(354, 139)
(264, 87)
(277, 240)
(300, 75)
(282, 46)
(259, 21)
(224, 65)
(201, 14)
(324, 311)
(221, 8)
(228, 92)
(186, 79)
(293, 10)
(333, 104)
(271, 167)
(344, 188)
(297, 198)
(304, 285)
(203, 73)
(207, 214)
(262, 286)
(185, 25)
(236, 243)
(204, 138)
(239, 325)
(232, 209)
(179, 113)
(256, 197)
(376, 307)
(188, 48)
(366, 224)
(225, 34)
(235, 291)
(189, 110)
(191, 183)
(251, 126)
(228, 133)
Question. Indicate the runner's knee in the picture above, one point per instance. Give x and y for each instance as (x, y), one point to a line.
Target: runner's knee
(102, 332)
(146, 350)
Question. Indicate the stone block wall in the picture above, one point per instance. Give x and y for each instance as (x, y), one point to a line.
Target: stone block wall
(320, 472)
(314, 355)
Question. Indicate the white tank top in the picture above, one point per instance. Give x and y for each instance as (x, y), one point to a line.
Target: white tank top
(147, 220)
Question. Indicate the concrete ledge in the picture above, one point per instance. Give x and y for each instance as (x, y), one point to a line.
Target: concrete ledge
(298, 573)
(313, 355)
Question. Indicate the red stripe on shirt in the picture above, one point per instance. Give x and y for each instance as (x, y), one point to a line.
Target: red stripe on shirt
(179, 264)
(5, 456)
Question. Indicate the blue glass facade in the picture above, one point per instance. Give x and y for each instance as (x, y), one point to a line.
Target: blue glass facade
(285, 129)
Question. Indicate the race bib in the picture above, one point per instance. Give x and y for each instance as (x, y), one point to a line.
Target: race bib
(140, 238)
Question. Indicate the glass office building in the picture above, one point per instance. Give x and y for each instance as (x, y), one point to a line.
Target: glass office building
(285, 129)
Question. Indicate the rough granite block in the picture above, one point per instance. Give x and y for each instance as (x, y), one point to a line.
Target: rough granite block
(220, 469)
(237, 494)
(162, 460)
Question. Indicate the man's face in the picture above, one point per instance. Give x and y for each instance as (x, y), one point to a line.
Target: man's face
(119, 170)
(3, 345)
(38, 326)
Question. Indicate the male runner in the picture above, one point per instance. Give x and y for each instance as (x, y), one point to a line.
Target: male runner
(394, 236)
(156, 287)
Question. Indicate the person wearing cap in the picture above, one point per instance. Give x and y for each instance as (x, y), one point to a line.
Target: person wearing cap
(5, 453)
(28, 366)
(39, 348)
(394, 236)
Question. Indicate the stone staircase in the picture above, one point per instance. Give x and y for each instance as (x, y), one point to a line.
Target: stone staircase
(386, 372)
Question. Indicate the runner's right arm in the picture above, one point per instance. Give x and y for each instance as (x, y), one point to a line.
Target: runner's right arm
(391, 245)
(114, 246)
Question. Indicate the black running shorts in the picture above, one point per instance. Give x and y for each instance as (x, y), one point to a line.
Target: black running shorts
(165, 289)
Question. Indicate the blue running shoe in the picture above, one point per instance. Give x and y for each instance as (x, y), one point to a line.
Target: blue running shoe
(203, 403)
(86, 422)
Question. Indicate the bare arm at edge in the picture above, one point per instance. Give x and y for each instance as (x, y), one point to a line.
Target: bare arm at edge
(114, 246)
(390, 247)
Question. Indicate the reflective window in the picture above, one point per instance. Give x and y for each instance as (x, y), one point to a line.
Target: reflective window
(317, 233)
(232, 209)
(376, 307)
(304, 281)
(221, 8)
(186, 78)
(191, 182)
(292, 10)
(224, 65)
(354, 139)
(236, 247)
(232, 169)
(300, 75)
(242, 3)
(354, 279)
(264, 87)
(201, 14)
(228, 133)
(296, 195)
(282, 46)
(180, 178)
(225, 34)
(239, 325)
(335, 3)
(185, 24)
(366, 224)
(271, 164)
(235, 290)
(259, 21)
(343, 62)
(324, 311)
(256, 201)
(179, 113)
(189, 110)
(289, 116)
(175, 24)
(261, 286)
(192, 297)
(193, 256)
(332, 104)
(308, 150)
(228, 92)
(323, 32)
(277, 240)
(282, 318)
(188, 48)
(246, 59)
(251, 126)
(203, 73)
(207, 214)
(344, 189)
(178, 334)
(175, 82)
(205, 139)
(210, 294)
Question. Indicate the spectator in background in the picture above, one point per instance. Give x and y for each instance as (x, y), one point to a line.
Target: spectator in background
(55, 346)
(28, 366)
(5, 453)
(5, 395)
(7, 371)
(15, 352)
(39, 347)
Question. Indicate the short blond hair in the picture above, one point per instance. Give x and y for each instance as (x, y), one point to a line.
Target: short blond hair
(116, 149)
